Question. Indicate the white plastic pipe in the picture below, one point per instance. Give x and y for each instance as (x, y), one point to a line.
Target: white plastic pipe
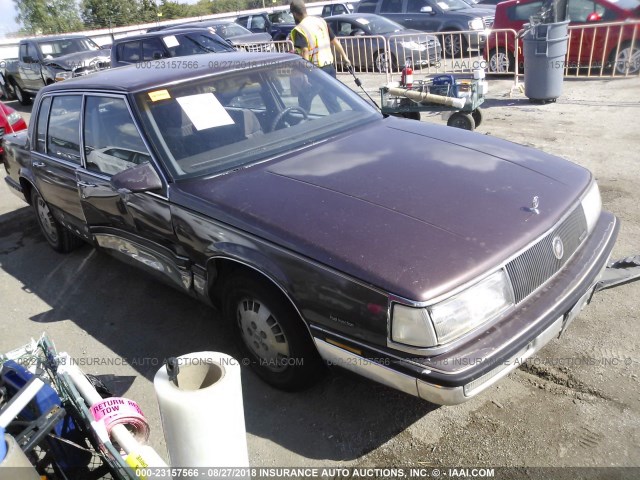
(20, 401)
(427, 97)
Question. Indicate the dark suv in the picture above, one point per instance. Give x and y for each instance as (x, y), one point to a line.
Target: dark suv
(437, 16)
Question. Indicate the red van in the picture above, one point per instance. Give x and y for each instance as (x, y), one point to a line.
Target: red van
(595, 45)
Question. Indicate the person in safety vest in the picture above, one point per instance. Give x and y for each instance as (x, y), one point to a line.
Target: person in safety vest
(312, 39)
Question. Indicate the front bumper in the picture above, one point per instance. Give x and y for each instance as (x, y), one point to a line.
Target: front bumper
(457, 376)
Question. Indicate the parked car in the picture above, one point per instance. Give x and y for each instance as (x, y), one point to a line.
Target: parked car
(437, 16)
(336, 9)
(617, 47)
(158, 45)
(428, 258)
(489, 2)
(421, 48)
(278, 24)
(234, 33)
(10, 122)
(51, 59)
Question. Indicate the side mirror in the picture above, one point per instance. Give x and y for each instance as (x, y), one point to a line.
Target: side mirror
(426, 9)
(594, 17)
(141, 178)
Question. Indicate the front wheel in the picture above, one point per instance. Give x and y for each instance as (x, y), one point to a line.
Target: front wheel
(455, 45)
(57, 236)
(21, 95)
(272, 336)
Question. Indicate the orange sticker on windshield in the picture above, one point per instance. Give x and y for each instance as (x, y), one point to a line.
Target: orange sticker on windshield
(159, 95)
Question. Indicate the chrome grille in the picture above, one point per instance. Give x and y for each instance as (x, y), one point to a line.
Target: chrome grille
(532, 268)
(488, 22)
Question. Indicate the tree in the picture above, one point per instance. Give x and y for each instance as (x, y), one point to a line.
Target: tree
(112, 13)
(148, 11)
(48, 16)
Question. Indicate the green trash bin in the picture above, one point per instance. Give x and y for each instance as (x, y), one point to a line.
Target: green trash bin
(545, 47)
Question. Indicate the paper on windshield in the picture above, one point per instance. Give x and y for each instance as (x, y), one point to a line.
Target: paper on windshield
(443, 5)
(205, 111)
(170, 41)
(46, 49)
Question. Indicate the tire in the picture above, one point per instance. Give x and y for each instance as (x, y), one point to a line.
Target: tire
(412, 115)
(453, 44)
(478, 116)
(501, 61)
(628, 60)
(22, 97)
(271, 334)
(381, 64)
(7, 92)
(462, 120)
(57, 236)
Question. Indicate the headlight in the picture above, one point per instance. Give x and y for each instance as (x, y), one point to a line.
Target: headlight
(412, 326)
(14, 118)
(413, 46)
(60, 76)
(445, 321)
(476, 24)
(472, 307)
(592, 206)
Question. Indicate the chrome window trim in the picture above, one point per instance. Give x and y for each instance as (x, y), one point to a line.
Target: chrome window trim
(46, 142)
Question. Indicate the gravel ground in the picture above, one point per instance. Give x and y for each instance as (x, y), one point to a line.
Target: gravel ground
(574, 404)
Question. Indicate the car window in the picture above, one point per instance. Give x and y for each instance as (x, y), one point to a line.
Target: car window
(258, 22)
(129, 52)
(580, 10)
(522, 12)
(63, 138)
(41, 126)
(367, 7)
(414, 6)
(231, 119)
(152, 49)
(339, 10)
(244, 21)
(111, 141)
(344, 29)
(391, 6)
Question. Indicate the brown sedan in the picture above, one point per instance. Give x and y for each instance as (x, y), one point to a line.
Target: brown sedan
(427, 258)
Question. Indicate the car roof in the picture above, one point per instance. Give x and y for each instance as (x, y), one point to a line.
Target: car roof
(353, 16)
(55, 37)
(162, 33)
(131, 79)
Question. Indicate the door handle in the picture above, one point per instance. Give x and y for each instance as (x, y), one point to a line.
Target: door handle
(85, 184)
(38, 164)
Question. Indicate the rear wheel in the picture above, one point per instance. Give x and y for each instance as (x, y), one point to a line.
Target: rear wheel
(270, 333)
(501, 61)
(60, 239)
(462, 120)
(384, 63)
(628, 60)
(478, 116)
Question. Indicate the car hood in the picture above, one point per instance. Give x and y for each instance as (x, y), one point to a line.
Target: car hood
(420, 35)
(79, 59)
(411, 208)
(251, 38)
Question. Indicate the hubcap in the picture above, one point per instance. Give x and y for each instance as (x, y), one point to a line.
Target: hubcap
(499, 63)
(628, 61)
(46, 221)
(452, 45)
(262, 333)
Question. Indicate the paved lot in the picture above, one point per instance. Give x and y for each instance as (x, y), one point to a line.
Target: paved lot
(575, 404)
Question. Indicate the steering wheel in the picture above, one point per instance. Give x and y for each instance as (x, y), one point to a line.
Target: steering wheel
(283, 114)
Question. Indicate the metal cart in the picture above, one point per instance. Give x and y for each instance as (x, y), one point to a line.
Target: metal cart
(468, 117)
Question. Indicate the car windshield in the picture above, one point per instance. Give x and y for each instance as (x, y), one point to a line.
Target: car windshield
(233, 119)
(230, 30)
(58, 48)
(281, 17)
(380, 25)
(450, 5)
(195, 43)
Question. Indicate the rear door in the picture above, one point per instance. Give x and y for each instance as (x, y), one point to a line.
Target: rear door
(57, 156)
